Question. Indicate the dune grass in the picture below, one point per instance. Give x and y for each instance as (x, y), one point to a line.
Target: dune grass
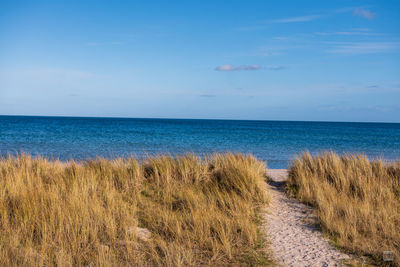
(182, 211)
(357, 201)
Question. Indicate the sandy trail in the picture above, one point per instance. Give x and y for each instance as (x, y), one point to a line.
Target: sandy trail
(295, 241)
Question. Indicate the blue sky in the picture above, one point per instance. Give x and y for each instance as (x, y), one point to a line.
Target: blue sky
(268, 60)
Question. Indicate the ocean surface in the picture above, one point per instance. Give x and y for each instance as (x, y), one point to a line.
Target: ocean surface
(276, 142)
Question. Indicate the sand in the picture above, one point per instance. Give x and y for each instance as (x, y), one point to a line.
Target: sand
(291, 231)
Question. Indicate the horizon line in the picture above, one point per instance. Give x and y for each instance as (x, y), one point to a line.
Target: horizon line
(213, 119)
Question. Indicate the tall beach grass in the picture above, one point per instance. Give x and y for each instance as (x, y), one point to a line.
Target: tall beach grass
(357, 201)
(182, 211)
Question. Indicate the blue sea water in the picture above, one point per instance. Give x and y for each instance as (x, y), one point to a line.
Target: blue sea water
(276, 142)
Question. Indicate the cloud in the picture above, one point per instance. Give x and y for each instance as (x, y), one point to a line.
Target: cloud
(207, 95)
(264, 24)
(357, 11)
(360, 12)
(276, 67)
(361, 29)
(229, 67)
(348, 33)
(357, 33)
(297, 19)
(364, 48)
(281, 38)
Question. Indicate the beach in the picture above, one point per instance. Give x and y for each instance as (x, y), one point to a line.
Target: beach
(291, 229)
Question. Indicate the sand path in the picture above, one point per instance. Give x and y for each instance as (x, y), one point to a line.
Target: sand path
(295, 241)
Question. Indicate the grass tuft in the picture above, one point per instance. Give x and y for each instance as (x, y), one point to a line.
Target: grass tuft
(162, 211)
(357, 201)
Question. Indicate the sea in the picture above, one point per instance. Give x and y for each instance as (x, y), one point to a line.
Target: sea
(275, 142)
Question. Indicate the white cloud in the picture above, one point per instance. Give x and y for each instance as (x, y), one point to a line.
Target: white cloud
(364, 48)
(281, 38)
(348, 33)
(229, 67)
(360, 12)
(297, 19)
(263, 24)
(279, 67)
(357, 11)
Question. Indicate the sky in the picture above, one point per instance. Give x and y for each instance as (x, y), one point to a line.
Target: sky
(259, 60)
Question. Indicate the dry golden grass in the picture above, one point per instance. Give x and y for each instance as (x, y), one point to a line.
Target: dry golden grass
(199, 211)
(357, 201)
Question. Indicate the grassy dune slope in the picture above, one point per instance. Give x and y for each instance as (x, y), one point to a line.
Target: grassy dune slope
(175, 212)
(357, 201)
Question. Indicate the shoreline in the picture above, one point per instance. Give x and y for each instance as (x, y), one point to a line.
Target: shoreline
(277, 175)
